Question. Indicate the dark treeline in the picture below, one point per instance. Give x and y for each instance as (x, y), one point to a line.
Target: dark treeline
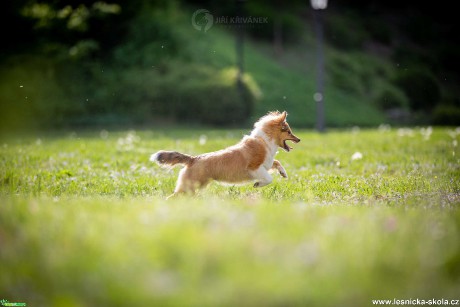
(79, 62)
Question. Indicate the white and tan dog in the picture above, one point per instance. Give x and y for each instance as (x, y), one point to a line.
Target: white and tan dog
(251, 159)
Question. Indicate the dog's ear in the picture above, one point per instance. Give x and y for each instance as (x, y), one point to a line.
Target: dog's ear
(283, 116)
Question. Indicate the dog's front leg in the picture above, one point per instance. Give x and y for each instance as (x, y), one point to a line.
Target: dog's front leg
(262, 176)
(277, 165)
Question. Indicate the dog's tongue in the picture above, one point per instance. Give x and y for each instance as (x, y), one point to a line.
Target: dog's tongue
(286, 146)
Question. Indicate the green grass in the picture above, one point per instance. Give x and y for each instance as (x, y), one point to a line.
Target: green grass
(84, 222)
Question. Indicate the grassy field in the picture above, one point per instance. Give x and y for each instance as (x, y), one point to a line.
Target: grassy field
(365, 214)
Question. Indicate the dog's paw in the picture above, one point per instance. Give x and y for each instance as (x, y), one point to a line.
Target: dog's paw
(283, 173)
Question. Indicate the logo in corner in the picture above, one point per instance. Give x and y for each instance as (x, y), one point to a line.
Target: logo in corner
(202, 20)
(4, 302)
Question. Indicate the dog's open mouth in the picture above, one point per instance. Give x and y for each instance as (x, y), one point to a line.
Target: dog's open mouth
(286, 146)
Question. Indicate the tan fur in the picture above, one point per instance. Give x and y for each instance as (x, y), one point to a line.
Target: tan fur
(250, 159)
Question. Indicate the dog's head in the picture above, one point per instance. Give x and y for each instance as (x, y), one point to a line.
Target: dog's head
(275, 126)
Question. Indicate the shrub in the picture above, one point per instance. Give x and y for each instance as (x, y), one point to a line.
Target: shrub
(446, 115)
(345, 31)
(152, 37)
(356, 73)
(292, 26)
(31, 94)
(216, 99)
(183, 92)
(205, 95)
(421, 87)
(379, 30)
(37, 92)
(345, 73)
(391, 97)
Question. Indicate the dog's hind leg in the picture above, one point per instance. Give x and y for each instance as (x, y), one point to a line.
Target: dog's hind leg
(187, 183)
(183, 184)
(262, 176)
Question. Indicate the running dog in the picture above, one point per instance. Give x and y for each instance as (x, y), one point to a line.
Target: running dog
(250, 160)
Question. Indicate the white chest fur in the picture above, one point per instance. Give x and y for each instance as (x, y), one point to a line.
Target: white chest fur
(271, 147)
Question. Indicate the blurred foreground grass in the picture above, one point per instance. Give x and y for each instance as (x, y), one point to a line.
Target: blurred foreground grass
(83, 222)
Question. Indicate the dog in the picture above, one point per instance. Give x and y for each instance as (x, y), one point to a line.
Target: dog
(251, 159)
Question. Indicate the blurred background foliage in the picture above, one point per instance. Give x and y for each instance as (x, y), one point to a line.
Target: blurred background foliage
(80, 62)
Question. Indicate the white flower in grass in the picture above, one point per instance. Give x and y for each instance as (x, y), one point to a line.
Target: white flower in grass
(203, 139)
(426, 132)
(384, 128)
(356, 156)
(104, 134)
(405, 132)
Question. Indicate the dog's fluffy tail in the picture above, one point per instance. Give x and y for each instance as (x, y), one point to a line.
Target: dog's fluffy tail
(171, 158)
